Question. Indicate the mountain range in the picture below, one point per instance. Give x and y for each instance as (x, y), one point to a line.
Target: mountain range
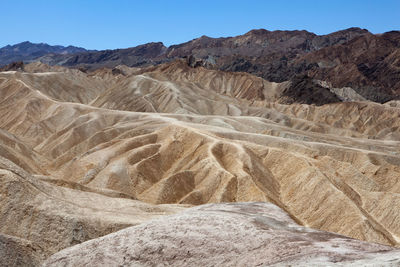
(354, 58)
(28, 52)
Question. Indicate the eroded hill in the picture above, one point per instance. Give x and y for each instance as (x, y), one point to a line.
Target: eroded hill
(86, 154)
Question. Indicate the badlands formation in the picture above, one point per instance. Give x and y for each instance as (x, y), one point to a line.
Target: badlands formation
(84, 155)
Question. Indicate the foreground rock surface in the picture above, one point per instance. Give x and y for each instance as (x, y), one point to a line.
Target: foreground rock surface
(236, 234)
(18, 252)
(38, 219)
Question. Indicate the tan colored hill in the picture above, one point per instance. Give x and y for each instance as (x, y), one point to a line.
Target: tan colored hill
(178, 88)
(105, 150)
(50, 217)
(245, 234)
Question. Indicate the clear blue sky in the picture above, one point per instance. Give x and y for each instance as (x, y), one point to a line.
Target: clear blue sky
(112, 24)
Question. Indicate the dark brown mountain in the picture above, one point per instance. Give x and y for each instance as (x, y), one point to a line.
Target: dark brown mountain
(141, 55)
(369, 63)
(274, 61)
(14, 66)
(258, 51)
(305, 91)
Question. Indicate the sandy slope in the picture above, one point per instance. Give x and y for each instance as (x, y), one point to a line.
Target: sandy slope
(55, 217)
(237, 234)
(173, 134)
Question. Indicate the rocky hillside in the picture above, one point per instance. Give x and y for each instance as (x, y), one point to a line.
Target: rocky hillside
(87, 154)
(369, 63)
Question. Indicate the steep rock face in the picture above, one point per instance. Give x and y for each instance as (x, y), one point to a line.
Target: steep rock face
(245, 234)
(304, 90)
(368, 63)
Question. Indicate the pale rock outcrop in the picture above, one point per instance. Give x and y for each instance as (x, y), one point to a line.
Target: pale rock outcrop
(236, 234)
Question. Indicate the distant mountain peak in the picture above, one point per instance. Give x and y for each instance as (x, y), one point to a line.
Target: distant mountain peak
(27, 51)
